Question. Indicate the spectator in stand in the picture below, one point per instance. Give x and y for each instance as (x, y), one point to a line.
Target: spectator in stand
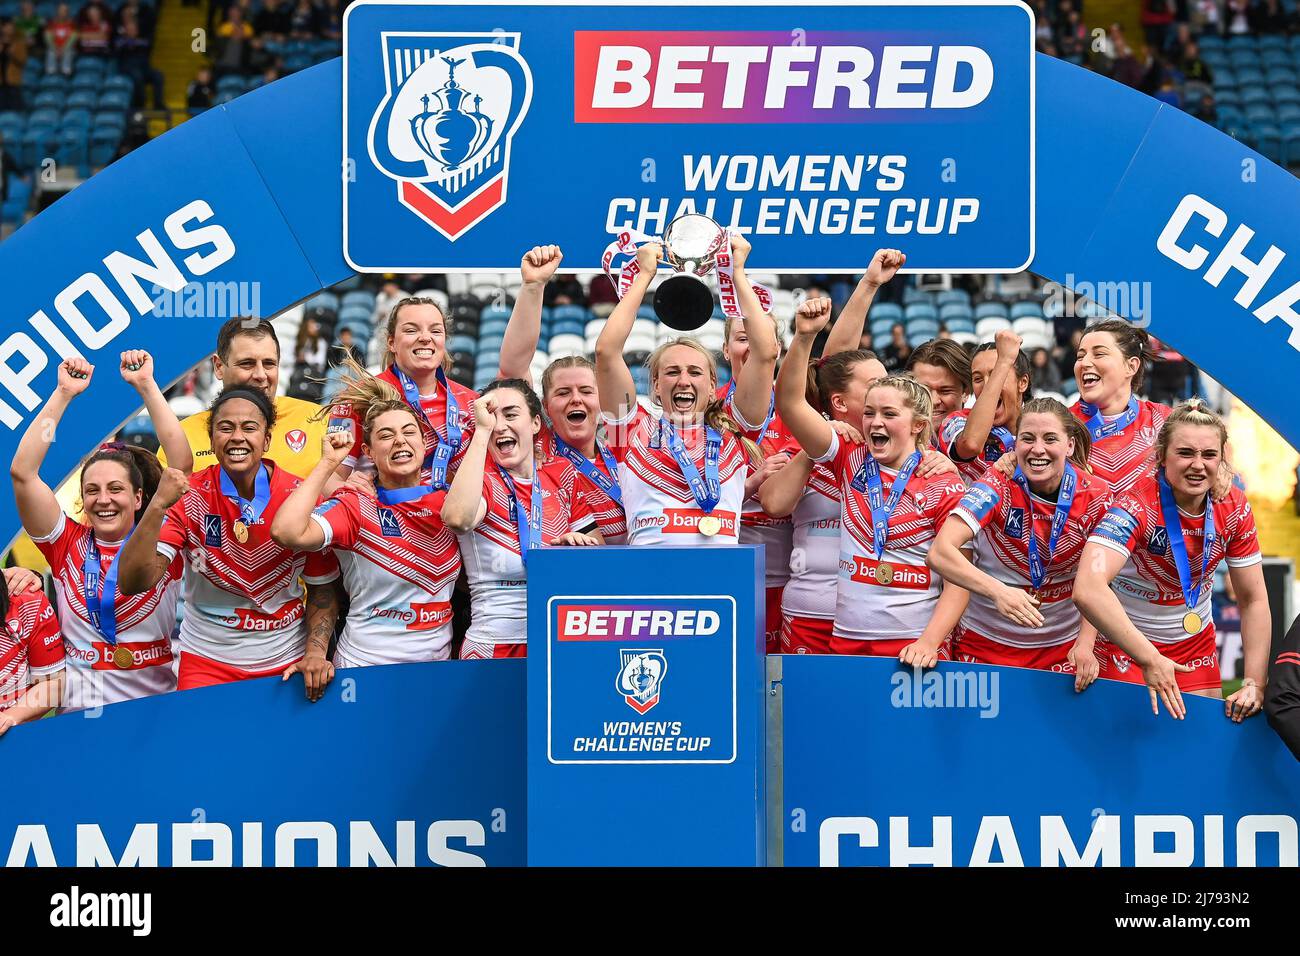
(1269, 17)
(303, 21)
(1065, 361)
(270, 74)
(200, 92)
(13, 56)
(564, 290)
(1043, 24)
(390, 293)
(894, 356)
(133, 61)
(1044, 375)
(1126, 68)
(1238, 17)
(1156, 18)
(234, 38)
(1207, 17)
(60, 42)
(1206, 111)
(8, 165)
(273, 23)
(30, 25)
(311, 349)
(344, 348)
(331, 20)
(1196, 70)
(1073, 38)
(143, 17)
(94, 31)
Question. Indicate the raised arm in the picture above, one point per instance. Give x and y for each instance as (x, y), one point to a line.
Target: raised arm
(464, 507)
(781, 493)
(38, 508)
(140, 566)
(613, 378)
(970, 443)
(753, 394)
(137, 371)
(846, 333)
(1098, 567)
(292, 526)
(519, 344)
(810, 430)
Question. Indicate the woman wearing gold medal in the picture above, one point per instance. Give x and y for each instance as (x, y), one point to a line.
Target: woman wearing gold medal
(683, 474)
(118, 646)
(1147, 574)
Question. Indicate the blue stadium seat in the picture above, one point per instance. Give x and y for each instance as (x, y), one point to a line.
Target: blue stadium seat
(1285, 94)
(881, 326)
(120, 83)
(1224, 78)
(12, 124)
(920, 310)
(110, 119)
(1269, 138)
(886, 311)
(1288, 113)
(233, 83)
(1276, 59)
(114, 100)
(52, 82)
(1210, 41)
(1260, 114)
(1241, 41)
(926, 328)
(81, 100)
(878, 342)
(1291, 143)
(1021, 310)
(37, 143)
(955, 310)
(912, 295)
(960, 324)
(359, 297)
(570, 312)
(323, 300)
(73, 148)
(1255, 94)
(496, 326)
(953, 297)
(1272, 41)
(990, 309)
(488, 343)
(494, 313)
(48, 100)
(1224, 98)
(1280, 76)
(462, 343)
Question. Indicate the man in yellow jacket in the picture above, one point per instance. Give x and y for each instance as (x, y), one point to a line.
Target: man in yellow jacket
(248, 353)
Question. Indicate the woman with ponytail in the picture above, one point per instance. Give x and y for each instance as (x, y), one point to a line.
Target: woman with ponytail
(976, 437)
(683, 475)
(1147, 576)
(1028, 531)
(398, 560)
(118, 644)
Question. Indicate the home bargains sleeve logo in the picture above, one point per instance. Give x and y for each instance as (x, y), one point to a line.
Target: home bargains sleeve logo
(442, 131)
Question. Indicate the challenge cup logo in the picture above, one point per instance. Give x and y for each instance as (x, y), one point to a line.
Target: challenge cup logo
(443, 130)
(640, 677)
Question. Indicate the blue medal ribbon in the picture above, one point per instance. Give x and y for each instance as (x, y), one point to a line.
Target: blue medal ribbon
(1064, 499)
(395, 496)
(1178, 544)
(530, 524)
(1097, 425)
(439, 457)
(249, 511)
(771, 408)
(102, 610)
(608, 483)
(707, 490)
(867, 480)
(1004, 436)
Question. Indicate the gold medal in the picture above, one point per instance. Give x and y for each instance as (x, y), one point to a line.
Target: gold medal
(884, 574)
(241, 531)
(709, 526)
(122, 657)
(1192, 622)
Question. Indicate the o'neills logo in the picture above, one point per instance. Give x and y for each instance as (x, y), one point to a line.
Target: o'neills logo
(107, 657)
(886, 574)
(687, 520)
(248, 619)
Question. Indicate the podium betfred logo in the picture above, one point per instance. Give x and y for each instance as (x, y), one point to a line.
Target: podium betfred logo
(640, 677)
(442, 131)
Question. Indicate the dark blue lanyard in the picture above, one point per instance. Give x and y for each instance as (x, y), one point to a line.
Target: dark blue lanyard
(608, 483)
(101, 610)
(1007, 440)
(1064, 499)
(1178, 544)
(868, 479)
(707, 490)
(395, 496)
(439, 457)
(1097, 425)
(771, 408)
(249, 511)
(530, 524)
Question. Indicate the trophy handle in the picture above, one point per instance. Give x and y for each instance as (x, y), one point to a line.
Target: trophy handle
(390, 164)
(520, 79)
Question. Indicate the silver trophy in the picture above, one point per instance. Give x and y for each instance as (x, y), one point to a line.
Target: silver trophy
(691, 246)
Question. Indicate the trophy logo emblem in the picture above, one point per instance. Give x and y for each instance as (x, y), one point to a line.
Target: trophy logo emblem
(640, 677)
(443, 130)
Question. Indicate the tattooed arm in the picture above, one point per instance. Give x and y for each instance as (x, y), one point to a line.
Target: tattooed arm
(316, 668)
